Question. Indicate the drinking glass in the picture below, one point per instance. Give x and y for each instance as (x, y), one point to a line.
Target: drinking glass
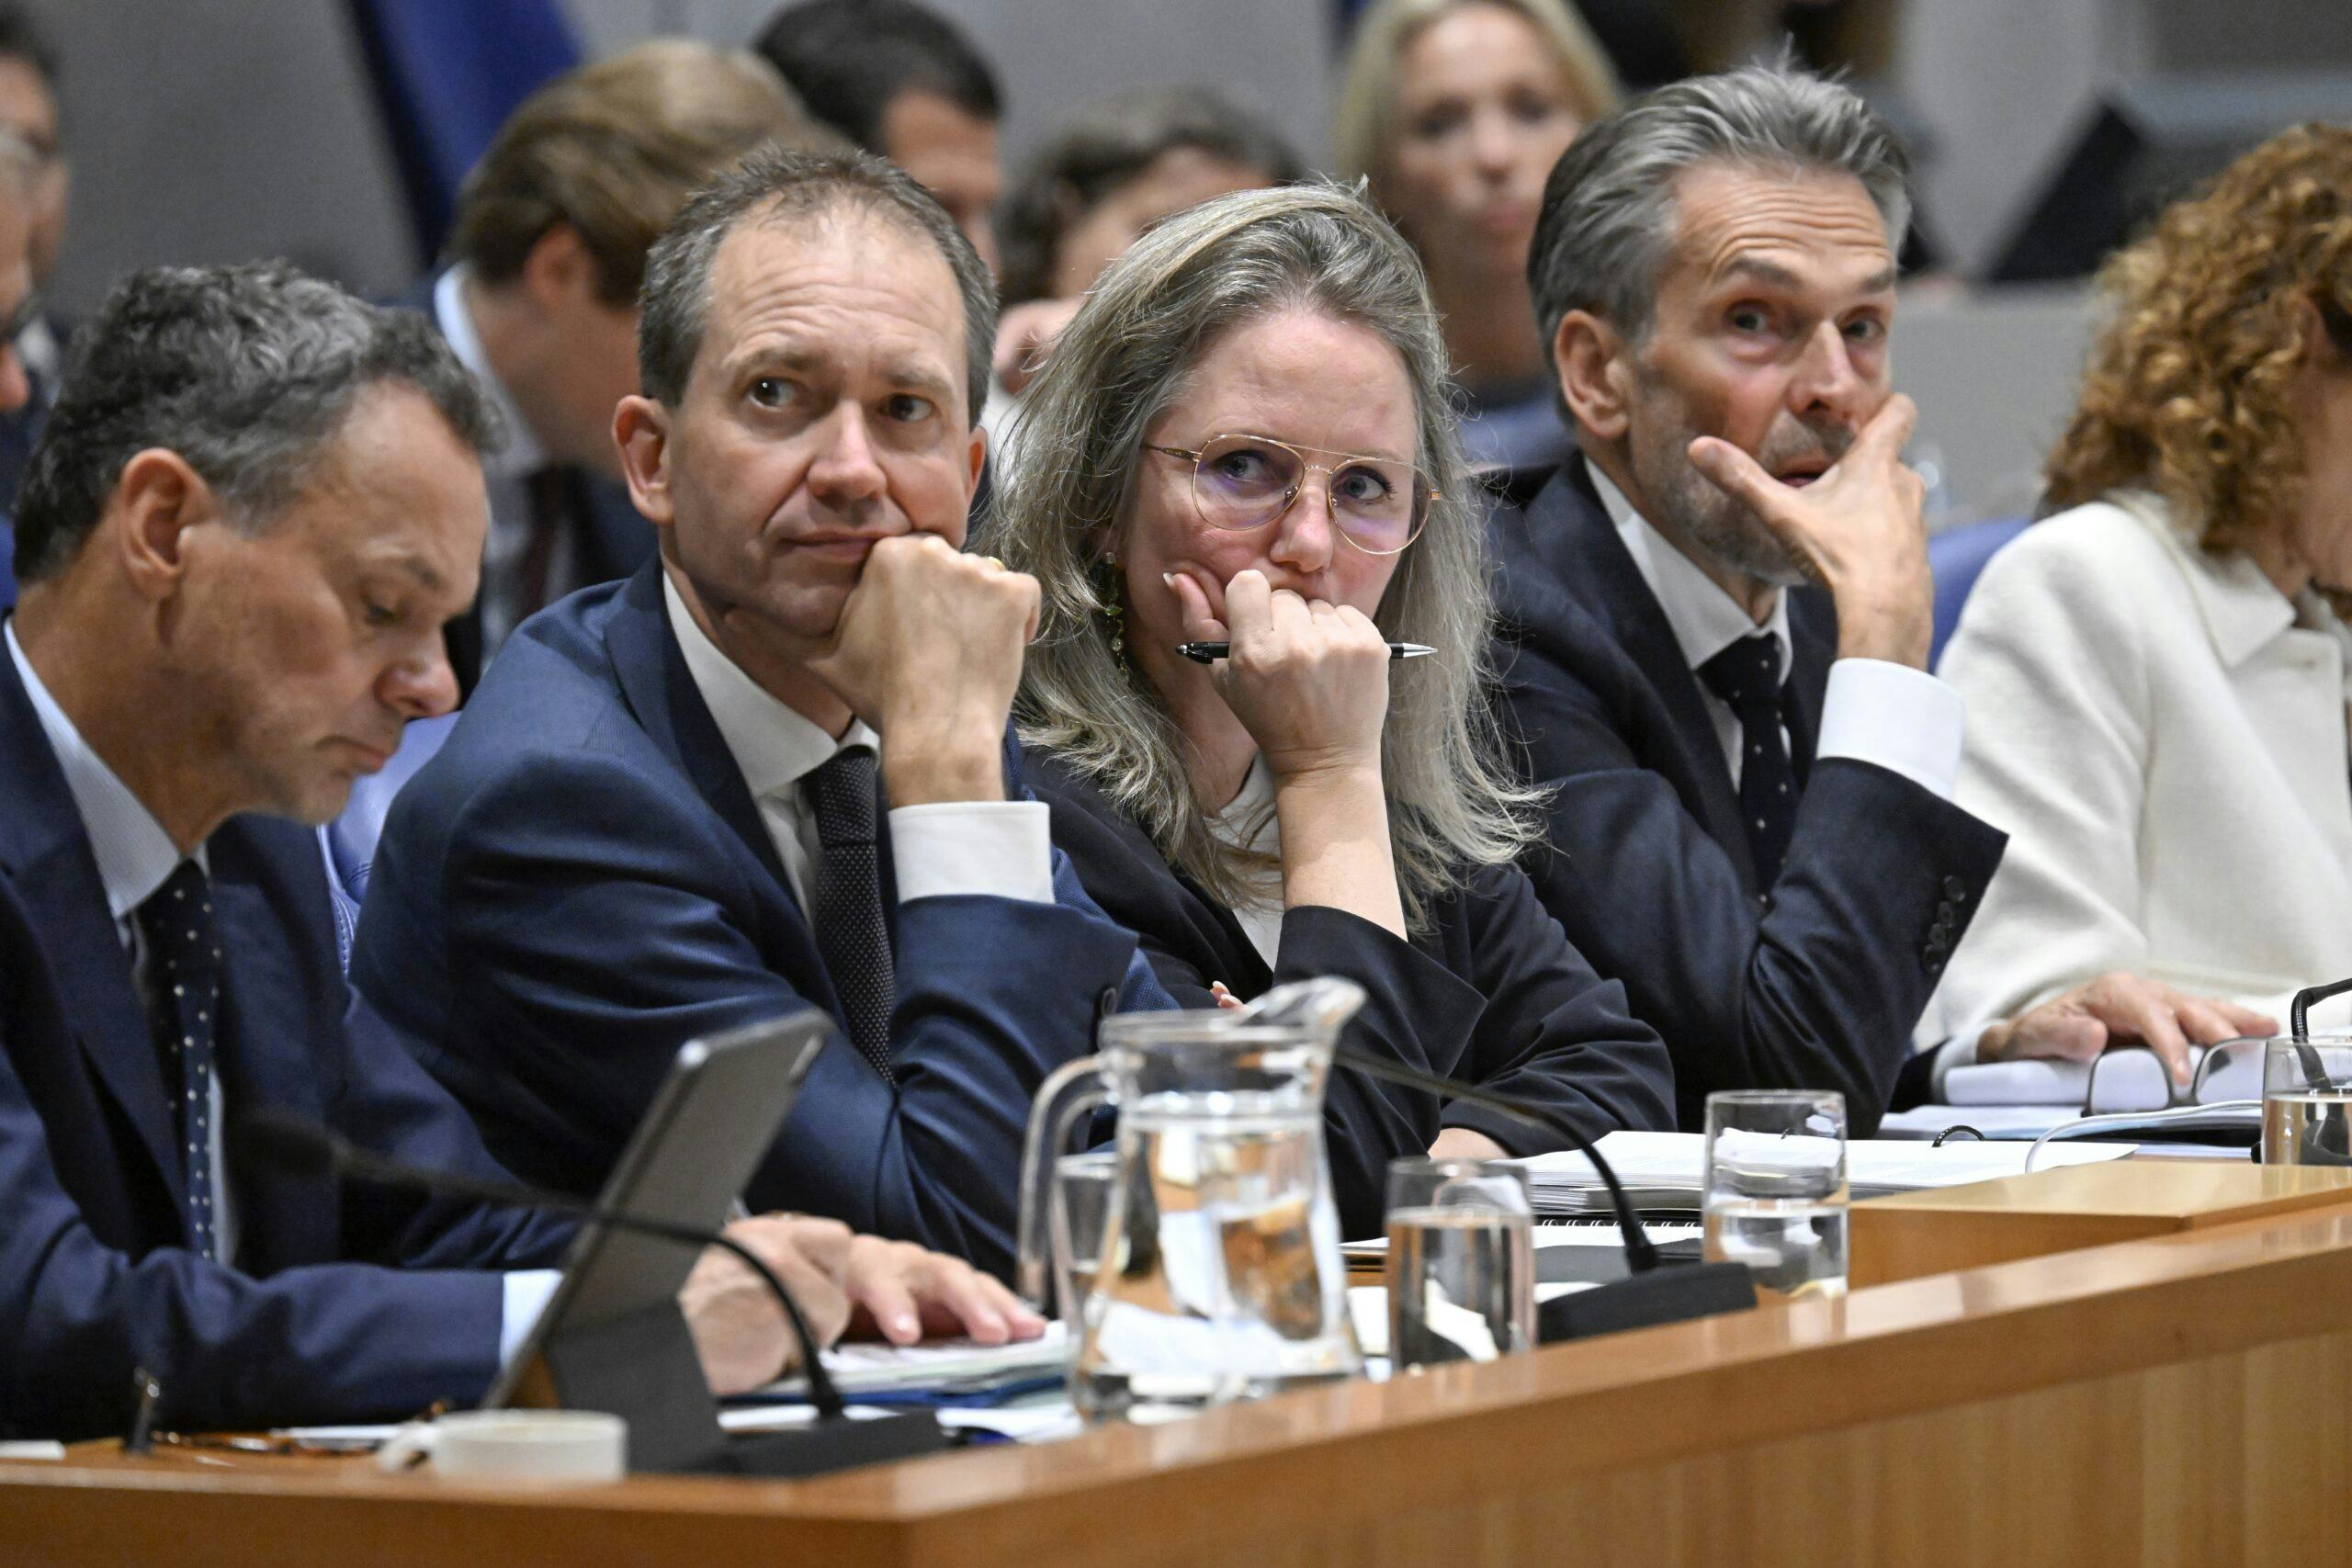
(1082, 1207)
(2307, 1102)
(1461, 1263)
(1774, 1189)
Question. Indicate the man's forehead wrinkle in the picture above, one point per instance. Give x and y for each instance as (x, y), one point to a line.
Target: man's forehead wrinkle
(1741, 217)
(756, 284)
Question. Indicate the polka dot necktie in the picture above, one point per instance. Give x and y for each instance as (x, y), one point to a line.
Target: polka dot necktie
(846, 903)
(183, 964)
(1747, 676)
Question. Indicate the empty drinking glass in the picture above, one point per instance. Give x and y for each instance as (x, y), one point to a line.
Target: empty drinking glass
(2307, 1102)
(1082, 1188)
(1774, 1189)
(1461, 1263)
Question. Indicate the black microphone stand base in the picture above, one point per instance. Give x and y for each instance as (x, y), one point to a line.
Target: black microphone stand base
(642, 1367)
(824, 1447)
(1644, 1301)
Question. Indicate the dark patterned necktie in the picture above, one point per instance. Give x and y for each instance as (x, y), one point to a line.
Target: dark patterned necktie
(1747, 675)
(846, 903)
(184, 966)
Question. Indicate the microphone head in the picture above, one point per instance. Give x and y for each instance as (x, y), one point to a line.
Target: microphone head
(284, 1141)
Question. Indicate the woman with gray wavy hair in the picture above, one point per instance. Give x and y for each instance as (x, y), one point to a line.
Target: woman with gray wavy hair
(1239, 483)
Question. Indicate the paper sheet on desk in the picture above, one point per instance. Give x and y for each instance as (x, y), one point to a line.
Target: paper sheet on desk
(1664, 1169)
(874, 1368)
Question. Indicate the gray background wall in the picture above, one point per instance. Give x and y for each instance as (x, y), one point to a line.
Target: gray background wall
(205, 130)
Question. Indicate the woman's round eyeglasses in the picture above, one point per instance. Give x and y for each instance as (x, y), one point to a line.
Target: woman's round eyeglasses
(1241, 483)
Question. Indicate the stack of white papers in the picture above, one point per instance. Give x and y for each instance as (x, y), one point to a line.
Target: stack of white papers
(941, 1366)
(1663, 1171)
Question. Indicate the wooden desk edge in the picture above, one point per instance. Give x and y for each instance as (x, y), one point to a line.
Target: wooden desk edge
(1580, 1409)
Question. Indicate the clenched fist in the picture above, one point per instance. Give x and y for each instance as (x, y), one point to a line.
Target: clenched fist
(928, 651)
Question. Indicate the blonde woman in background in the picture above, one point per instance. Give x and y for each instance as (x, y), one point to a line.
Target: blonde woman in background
(2155, 676)
(1455, 110)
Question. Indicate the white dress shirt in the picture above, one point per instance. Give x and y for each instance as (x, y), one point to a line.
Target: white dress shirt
(1248, 822)
(1875, 711)
(999, 847)
(135, 857)
(507, 472)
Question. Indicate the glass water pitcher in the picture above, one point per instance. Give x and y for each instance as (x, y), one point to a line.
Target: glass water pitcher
(1220, 1276)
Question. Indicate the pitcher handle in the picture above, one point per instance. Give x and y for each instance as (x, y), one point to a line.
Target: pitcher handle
(1072, 1090)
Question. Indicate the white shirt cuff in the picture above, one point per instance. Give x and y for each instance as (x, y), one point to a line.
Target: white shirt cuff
(527, 1290)
(1959, 1051)
(1903, 719)
(997, 848)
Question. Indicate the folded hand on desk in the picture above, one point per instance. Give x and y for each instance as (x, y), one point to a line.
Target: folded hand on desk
(901, 1292)
(737, 1329)
(861, 1284)
(2120, 1009)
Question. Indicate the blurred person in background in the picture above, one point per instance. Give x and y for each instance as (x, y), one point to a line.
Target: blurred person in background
(20, 173)
(903, 81)
(2156, 676)
(546, 254)
(28, 109)
(1120, 166)
(1455, 110)
(1246, 436)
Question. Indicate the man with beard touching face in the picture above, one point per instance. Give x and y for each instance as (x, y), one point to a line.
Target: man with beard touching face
(1751, 823)
(770, 770)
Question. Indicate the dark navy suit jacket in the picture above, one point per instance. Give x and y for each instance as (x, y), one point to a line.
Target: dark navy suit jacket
(355, 1305)
(1491, 994)
(1814, 982)
(610, 537)
(579, 881)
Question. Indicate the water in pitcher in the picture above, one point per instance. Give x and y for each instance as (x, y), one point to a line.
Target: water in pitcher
(1794, 1246)
(1210, 1290)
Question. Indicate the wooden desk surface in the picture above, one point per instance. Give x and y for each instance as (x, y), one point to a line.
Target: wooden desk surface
(1910, 1235)
(2186, 1399)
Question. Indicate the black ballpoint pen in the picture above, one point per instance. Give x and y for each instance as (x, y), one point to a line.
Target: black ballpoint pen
(1210, 652)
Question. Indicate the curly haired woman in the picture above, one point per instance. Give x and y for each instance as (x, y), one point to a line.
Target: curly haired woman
(2157, 675)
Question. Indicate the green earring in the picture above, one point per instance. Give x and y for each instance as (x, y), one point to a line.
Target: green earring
(1113, 612)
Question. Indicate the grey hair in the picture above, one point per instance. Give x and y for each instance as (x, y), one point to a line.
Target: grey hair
(1608, 216)
(248, 373)
(1114, 369)
(781, 184)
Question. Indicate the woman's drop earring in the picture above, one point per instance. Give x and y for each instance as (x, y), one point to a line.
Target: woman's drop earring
(1114, 613)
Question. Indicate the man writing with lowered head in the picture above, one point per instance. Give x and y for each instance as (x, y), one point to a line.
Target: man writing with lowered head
(1751, 821)
(256, 506)
(771, 768)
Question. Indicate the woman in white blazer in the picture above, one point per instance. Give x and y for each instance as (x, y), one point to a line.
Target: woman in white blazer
(2156, 678)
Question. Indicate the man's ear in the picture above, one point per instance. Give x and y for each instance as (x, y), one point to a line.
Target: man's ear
(558, 269)
(976, 457)
(145, 522)
(1591, 358)
(641, 431)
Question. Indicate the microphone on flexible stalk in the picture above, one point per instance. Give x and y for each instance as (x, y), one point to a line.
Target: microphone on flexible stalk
(294, 1145)
(1648, 1295)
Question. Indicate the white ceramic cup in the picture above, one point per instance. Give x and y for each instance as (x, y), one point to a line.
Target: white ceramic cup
(515, 1445)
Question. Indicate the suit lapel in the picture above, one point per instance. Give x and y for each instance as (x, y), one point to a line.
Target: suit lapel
(268, 1054)
(45, 853)
(1581, 549)
(650, 669)
(1813, 639)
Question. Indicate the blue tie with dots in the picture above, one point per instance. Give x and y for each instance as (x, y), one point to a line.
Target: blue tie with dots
(1747, 676)
(846, 904)
(184, 966)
